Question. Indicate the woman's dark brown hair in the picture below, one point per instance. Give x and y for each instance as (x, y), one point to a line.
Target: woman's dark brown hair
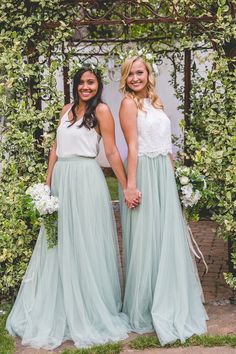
(89, 119)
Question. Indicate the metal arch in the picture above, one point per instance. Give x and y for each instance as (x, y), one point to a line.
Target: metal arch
(125, 12)
(118, 16)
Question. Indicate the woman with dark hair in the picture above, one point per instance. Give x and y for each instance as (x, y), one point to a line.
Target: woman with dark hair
(72, 291)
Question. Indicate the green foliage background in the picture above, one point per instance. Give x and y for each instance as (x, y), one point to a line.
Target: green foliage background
(30, 57)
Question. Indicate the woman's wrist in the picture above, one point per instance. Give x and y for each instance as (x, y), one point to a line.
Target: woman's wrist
(131, 186)
(48, 182)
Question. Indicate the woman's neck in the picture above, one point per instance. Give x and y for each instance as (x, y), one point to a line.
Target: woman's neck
(142, 94)
(80, 109)
(81, 105)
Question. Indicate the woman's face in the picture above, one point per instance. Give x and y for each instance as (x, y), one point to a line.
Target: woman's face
(137, 79)
(88, 86)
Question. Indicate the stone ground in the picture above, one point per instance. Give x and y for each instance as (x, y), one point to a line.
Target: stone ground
(222, 315)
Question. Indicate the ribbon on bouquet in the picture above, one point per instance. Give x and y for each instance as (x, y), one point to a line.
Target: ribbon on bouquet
(193, 244)
(199, 255)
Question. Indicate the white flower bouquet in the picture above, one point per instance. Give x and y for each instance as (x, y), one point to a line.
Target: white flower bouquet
(44, 206)
(192, 188)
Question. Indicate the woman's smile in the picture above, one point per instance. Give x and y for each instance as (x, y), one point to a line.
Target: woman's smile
(88, 86)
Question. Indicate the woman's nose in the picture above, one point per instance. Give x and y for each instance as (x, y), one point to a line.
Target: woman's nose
(84, 86)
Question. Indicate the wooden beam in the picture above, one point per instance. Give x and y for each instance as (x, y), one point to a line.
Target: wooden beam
(187, 86)
(127, 21)
(66, 84)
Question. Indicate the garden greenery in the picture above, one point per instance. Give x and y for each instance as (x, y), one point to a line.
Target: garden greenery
(30, 58)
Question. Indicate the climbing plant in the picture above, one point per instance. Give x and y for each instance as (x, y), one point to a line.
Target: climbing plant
(29, 61)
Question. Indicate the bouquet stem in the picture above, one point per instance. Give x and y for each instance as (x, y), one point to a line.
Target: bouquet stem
(51, 227)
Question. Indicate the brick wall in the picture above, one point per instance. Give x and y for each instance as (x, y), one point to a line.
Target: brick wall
(214, 250)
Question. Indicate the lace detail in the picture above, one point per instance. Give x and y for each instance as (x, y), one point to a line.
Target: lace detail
(154, 132)
(164, 151)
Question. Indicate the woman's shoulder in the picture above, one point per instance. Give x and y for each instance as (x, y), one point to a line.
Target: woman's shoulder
(102, 108)
(128, 102)
(65, 109)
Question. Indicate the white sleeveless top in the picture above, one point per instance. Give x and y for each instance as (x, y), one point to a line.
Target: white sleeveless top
(75, 140)
(154, 131)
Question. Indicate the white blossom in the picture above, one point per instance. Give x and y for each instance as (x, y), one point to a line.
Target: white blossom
(148, 56)
(187, 190)
(37, 190)
(42, 200)
(196, 197)
(184, 180)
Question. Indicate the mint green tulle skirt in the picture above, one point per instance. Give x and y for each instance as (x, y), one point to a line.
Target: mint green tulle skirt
(162, 290)
(72, 292)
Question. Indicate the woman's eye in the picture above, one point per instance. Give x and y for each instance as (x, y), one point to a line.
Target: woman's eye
(140, 72)
(90, 82)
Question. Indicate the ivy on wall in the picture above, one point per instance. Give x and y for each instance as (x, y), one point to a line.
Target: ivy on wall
(30, 57)
(211, 143)
(29, 60)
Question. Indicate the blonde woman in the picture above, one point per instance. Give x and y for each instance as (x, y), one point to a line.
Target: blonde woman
(162, 291)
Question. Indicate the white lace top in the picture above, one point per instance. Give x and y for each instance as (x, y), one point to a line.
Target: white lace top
(154, 131)
(75, 140)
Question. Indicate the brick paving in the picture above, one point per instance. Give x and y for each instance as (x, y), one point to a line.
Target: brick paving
(222, 315)
(222, 320)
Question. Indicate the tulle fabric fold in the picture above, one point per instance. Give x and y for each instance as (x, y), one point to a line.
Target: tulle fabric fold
(162, 292)
(72, 291)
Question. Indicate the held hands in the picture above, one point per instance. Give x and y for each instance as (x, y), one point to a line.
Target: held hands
(132, 197)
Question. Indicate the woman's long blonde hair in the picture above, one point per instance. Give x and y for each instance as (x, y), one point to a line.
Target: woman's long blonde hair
(151, 85)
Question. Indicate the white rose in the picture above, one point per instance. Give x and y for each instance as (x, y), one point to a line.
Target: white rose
(196, 197)
(187, 190)
(184, 180)
(148, 56)
(186, 202)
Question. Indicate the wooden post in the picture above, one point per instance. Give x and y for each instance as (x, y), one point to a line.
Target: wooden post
(66, 84)
(187, 88)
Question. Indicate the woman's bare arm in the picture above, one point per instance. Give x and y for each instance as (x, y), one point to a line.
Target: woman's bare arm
(107, 129)
(128, 120)
(53, 157)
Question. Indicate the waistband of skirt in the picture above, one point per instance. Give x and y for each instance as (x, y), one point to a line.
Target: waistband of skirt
(75, 158)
